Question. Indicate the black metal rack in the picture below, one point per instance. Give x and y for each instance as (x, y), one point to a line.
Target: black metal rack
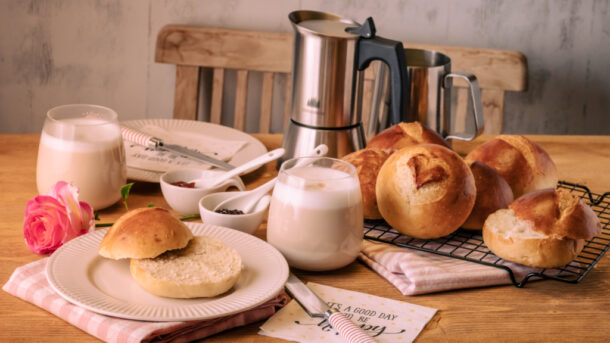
(469, 246)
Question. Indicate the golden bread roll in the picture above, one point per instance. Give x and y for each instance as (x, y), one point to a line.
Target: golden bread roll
(144, 233)
(405, 134)
(205, 268)
(544, 229)
(425, 191)
(523, 164)
(367, 163)
(493, 193)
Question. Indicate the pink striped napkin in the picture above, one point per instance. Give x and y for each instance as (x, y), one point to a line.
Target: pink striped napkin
(29, 283)
(418, 272)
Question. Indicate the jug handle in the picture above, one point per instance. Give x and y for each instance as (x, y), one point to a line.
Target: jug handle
(392, 53)
(477, 107)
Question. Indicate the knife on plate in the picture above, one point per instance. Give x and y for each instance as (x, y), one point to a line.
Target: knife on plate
(142, 138)
(316, 307)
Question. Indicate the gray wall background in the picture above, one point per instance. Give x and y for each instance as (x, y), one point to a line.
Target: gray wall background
(54, 52)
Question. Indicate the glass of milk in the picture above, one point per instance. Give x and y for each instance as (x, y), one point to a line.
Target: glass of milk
(82, 145)
(315, 217)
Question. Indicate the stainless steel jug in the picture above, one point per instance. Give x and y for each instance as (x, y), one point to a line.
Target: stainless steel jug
(330, 54)
(431, 83)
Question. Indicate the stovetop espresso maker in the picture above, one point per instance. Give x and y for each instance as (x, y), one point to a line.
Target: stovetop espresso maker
(330, 54)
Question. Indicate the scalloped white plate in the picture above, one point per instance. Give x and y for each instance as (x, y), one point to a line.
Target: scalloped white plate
(252, 149)
(105, 286)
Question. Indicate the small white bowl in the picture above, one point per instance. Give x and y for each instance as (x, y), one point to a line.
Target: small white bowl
(247, 223)
(186, 200)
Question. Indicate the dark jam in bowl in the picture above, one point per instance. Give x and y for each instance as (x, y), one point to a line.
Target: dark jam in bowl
(184, 184)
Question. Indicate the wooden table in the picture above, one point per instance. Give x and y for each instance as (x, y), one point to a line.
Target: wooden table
(546, 311)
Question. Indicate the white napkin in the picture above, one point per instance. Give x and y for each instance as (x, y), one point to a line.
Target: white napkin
(384, 319)
(141, 157)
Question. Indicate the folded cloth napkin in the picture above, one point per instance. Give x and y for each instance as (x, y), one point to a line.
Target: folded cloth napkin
(141, 157)
(29, 282)
(419, 272)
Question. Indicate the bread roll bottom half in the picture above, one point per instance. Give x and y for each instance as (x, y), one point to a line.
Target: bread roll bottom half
(205, 268)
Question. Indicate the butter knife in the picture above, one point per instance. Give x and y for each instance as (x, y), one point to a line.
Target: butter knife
(316, 307)
(132, 135)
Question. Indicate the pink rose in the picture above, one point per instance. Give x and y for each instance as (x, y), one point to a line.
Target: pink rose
(52, 220)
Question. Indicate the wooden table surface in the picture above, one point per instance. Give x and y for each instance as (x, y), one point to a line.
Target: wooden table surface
(546, 311)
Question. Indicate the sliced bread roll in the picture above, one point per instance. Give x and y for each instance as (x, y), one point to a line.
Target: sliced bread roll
(368, 162)
(425, 191)
(522, 163)
(144, 233)
(205, 268)
(543, 229)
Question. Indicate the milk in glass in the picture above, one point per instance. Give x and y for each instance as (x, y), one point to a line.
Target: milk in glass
(315, 217)
(85, 151)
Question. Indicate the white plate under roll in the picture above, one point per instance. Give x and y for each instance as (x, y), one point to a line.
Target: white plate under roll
(105, 286)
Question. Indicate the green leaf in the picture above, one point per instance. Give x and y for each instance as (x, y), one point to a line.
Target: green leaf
(194, 216)
(151, 204)
(125, 194)
(96, 215)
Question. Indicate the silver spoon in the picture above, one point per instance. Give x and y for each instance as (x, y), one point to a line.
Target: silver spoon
(260, 160)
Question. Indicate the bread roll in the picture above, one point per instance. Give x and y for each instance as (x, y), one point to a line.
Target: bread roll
(493, 193)
(144, 233)
(425, 191)
(523, 164)
(205, 268)
(367, 163)
(405, 134)
(543, 229)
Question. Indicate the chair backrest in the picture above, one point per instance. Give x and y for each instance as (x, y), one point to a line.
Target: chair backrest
(191, 48)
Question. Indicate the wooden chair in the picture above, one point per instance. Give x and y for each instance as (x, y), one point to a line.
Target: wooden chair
(191, 48)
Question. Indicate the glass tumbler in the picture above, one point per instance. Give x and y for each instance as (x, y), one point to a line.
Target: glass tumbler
(82, 145)
(315, 217)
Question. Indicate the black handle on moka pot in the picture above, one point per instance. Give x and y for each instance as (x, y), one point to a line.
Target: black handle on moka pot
(369, 48)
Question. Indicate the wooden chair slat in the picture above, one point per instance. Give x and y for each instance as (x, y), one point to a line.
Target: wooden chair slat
(266, 101)
(240, 100)
(186, 92)
(217, 87)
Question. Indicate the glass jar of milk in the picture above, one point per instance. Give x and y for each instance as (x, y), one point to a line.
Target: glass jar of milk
(82, 145)
(315, 216)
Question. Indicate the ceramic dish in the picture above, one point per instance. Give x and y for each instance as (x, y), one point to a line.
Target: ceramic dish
(105, 286)
(252, 149)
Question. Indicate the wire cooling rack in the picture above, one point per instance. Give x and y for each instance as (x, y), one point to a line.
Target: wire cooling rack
(469, 246)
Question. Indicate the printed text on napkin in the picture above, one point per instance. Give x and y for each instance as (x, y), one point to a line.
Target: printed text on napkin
(384, 319)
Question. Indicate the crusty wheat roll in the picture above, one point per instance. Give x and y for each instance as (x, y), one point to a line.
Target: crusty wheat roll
(493, 193)
(144, 233)
(205, 268)
(405, 134)
(368, 162)
(543, 229)
(523, 164)
(425, 191)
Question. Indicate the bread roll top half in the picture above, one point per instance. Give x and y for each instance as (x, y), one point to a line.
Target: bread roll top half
(425, 191)
(523, 164)
(368, 162)
(557, 214)
(144, 233)
(405, 134)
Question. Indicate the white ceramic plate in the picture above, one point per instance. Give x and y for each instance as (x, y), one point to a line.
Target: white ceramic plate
(252, 149)
(105, 286)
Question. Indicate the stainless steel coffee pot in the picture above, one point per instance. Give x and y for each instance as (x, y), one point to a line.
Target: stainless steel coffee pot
(330, 54)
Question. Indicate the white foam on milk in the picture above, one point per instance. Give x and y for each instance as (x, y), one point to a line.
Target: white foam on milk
(85, 134)
(318, 188)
